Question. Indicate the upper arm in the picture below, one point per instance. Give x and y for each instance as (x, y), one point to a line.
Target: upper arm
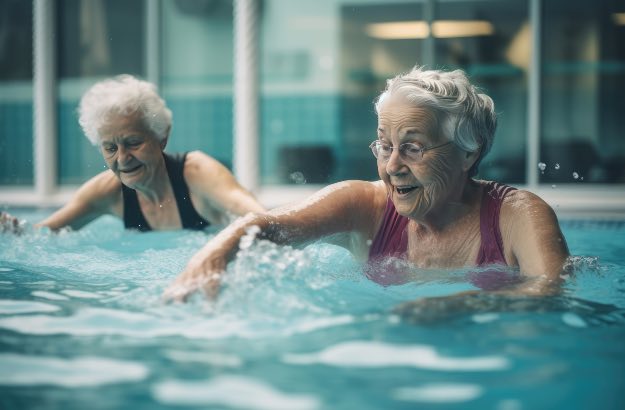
(534, 234)
(215, 185)
(349, 206)
(94, 198)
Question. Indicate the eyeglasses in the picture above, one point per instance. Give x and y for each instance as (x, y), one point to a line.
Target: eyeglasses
(408, 151)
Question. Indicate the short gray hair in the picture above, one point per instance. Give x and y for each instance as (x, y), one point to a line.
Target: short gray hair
(125, 95)
(466, 115)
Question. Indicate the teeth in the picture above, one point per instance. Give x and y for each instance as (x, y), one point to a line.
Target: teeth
(405, 189)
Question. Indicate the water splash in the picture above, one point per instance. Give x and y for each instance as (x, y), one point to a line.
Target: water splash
(542, 166)
(575, 175)
(557, 166)
(297, 177)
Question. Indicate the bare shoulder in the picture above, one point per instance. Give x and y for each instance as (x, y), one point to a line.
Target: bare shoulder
(522, 205)
(198, 166)
(359, 193)
(532, 234)
(104, 188)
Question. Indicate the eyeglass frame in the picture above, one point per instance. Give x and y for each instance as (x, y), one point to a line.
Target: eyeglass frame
(402, 152)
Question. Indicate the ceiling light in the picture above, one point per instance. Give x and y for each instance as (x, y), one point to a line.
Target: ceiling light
(401, 30)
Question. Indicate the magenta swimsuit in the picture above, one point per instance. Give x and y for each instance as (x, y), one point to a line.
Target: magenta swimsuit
(392, 240)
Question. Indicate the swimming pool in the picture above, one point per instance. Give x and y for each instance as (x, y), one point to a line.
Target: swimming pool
(82, 326)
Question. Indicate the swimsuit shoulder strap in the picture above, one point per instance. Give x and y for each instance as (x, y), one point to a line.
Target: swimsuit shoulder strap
(188, 215)
(133, 217)
(491, 248)
(391, 238)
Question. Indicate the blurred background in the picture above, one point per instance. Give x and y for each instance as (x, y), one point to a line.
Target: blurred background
(555, 69)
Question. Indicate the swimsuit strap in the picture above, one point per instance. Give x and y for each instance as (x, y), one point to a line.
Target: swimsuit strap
(190, 219)
(188, 215)
(391, 239)
(133, 217)
(491, 248)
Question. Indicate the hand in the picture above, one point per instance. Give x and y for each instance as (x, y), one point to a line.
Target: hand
(200, 274)
(10, 224)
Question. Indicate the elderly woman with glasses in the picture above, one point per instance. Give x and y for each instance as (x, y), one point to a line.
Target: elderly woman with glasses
(434, 128)
(145, 186)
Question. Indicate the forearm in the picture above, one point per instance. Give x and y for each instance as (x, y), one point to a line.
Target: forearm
(205, 268)
(221, 249)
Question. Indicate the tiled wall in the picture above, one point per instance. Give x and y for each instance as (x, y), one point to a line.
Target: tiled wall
(297, 121)
(200, 123)
(16, 143)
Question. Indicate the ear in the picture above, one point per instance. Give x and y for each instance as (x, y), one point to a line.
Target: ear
(164, 140)
(469, 159)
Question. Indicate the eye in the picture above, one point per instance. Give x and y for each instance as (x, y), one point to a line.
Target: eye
(410, 149)
(133, 143)
(384, 147)
(110, 148)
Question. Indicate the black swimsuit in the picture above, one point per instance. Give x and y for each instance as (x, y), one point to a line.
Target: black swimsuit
(133, 217)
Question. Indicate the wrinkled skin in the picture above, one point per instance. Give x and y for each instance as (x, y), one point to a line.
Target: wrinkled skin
(438, 179)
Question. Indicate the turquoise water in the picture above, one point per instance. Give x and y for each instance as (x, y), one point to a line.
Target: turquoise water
(82, 326)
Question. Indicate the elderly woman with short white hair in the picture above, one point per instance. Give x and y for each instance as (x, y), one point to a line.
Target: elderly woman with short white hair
(427, 209)
(146, 187)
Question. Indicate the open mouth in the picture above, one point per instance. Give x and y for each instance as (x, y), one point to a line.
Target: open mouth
(405, 189)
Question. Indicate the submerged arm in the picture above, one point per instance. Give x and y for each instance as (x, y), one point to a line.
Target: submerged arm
(533, 241)
(537, 244)
(340, 207)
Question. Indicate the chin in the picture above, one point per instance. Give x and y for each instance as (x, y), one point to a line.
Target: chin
(129, 181)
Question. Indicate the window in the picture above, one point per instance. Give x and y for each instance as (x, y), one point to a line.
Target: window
(16, 92)
(583, 78)
(96, 39)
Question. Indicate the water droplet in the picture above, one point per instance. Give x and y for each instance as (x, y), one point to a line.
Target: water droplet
(553, 186)
(581, 178)
(542, 166)
(557, 166)
(297, 177)
(575, 175)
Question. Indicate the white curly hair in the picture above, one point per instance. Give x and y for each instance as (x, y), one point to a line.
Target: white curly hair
(125, 95)
(467, 116)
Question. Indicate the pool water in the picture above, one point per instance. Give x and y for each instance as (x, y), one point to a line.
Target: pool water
(82, 325)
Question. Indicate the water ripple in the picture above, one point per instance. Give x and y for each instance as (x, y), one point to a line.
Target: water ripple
(232, 392)
(22, 370)
(438, 393)
(25, 306)
(377, 354)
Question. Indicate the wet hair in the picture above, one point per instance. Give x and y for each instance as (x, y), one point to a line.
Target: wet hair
(466, 116)
(123, 95)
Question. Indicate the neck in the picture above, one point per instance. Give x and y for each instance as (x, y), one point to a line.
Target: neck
(156, 189)
(455, 209)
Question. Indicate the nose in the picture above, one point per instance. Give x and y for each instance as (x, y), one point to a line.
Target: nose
(123, 155)
(395, 164)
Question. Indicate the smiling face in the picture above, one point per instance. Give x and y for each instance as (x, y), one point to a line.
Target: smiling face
(130, 150)
(424, 187)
